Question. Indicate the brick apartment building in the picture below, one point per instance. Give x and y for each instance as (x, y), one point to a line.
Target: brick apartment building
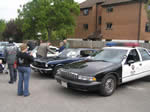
(114, 19)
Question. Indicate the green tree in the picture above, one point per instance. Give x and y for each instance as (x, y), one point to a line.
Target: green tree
(50, 17)
(2, 28)
(147, 7)
(13, 30)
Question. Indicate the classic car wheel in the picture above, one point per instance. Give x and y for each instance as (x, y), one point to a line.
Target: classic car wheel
(108, 85)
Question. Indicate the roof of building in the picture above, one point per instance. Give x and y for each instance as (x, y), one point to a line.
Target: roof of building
(110, 2)
(89, 3)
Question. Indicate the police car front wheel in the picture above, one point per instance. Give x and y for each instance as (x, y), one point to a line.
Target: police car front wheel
(108, 85)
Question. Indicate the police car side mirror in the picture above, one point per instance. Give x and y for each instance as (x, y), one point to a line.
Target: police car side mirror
(129, 62)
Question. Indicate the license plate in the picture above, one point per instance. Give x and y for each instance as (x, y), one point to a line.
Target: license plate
(64, 84)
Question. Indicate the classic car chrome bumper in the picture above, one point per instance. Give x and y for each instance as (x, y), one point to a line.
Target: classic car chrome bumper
(40, 69)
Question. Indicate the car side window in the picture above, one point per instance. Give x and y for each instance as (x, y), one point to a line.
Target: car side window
(86, 53)
(145, 55)
(133, 55)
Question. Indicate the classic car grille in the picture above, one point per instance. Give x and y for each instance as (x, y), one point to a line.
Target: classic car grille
(69, 75)
(39, 64)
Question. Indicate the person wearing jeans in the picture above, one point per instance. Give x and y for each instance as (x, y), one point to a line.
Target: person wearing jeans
(23, 61)
(24, 75)
(10, 55)
(13, 72)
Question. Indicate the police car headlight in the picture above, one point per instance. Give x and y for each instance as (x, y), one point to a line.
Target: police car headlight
(86, 78)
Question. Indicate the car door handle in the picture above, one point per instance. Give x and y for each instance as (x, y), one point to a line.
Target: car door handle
(140, 64)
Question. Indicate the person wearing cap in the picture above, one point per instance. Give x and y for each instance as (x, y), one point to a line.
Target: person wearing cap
(10, 56)
(24, 59)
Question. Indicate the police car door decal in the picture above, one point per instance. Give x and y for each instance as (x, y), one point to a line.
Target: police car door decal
(131, 67)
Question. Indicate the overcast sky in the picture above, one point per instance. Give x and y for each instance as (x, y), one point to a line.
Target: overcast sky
(8, 8)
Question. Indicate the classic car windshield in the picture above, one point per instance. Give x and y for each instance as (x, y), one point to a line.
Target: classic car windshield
(111, 55)
(69, 53)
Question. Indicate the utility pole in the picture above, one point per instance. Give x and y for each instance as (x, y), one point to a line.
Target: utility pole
(139, 22)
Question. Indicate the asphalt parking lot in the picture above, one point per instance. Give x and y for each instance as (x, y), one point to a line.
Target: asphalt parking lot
(49, 96)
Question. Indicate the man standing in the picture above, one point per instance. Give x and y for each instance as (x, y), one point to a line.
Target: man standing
(10, 56)
(66, 44)
(43, 49)
(31, 45)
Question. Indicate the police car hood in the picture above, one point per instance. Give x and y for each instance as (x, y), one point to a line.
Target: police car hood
(89, 67)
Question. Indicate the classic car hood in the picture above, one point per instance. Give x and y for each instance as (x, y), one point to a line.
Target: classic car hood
(48, 59)
(89, 68)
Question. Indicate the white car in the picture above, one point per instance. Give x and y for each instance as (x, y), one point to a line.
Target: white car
(112, 66)
(49, 54)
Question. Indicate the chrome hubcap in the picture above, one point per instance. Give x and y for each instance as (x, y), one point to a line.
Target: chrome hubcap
(109, 85)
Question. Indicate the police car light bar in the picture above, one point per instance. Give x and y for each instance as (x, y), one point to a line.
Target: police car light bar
(110, 44)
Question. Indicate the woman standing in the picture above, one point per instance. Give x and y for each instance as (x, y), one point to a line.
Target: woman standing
(23, 61)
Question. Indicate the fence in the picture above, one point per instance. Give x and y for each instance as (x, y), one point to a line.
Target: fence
(95, 44)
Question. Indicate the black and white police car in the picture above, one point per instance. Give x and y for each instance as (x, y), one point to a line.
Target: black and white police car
(111, 67)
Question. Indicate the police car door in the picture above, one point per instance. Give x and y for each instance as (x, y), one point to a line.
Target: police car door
(131, 67)
(145, 61)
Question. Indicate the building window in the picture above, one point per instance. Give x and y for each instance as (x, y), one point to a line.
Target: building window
(85, 12)
(147, 27)
(108, 26)
(99, 19)
(109, 9)
(85, 26)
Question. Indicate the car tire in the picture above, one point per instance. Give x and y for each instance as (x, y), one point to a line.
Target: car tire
(55, 70)
(108, 86)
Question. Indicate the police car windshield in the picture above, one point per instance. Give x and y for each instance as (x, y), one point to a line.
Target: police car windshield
(69, 53)
(111, 55)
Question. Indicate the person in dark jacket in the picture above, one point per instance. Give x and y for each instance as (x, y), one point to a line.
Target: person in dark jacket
(31, 45)
(62, 47)
(10, 56)
(23, 61)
